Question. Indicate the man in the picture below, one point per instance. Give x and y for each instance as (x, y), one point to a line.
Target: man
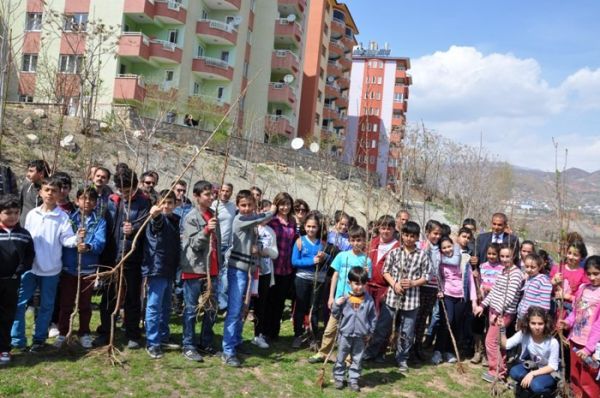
(37, 170)
(497, 235)
(225, 212)
(100, 179)
(148, 183)
(402, 217)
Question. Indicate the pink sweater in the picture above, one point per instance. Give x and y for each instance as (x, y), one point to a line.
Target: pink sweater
(580, 315)
(575, 277)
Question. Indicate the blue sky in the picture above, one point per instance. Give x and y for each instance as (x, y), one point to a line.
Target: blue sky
(520, 71)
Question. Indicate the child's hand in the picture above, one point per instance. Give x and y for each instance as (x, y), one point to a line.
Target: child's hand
(477, 311)
(155, 211)
(581, 354)
(500, 322)
(81, 233)
(562, 324)
(211, 225)
(127, 228)
(273, 209)
(557, 279)
(398, 288)
(254, 250)
(405, 283)
(83, 248)
(527, 380)
(330, 303)
(341, 300)
(440, 295)
(474, 260)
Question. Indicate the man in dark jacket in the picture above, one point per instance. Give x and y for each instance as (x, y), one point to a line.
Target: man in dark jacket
(126, 212)
(498, 235)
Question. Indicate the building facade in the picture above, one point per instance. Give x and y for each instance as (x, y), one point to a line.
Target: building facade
(379, 85)
(202, 54)
(328, 61)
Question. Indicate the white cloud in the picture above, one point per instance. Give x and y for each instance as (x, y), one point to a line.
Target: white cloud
(462, 92)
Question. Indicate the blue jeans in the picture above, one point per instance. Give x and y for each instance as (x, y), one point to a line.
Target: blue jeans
(406, 334)
(47, 285)
(435, 319)
(192, 290)
(158, 310)
(222, 288)
(542, 384)
(232, 329)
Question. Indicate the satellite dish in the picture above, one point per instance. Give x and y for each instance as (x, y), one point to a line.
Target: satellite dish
(330, 79)
(288, 79)
(237, 20)
(314, 147)
(297, 143)
(291, 18)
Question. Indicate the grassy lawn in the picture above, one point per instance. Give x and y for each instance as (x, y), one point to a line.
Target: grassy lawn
(278, 371)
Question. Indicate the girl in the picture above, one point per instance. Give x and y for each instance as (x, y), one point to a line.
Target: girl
(284, 226)
(538, 288)
(338, 235)
(301, 210)
(428, 292)
(457, 287)
(268, 252)
(568, 276)
(539, 353)
(502, 303)
(308, 258)
(489, 272)
(584, 324)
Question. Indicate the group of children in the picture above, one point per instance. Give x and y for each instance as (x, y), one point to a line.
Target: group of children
(388, 288)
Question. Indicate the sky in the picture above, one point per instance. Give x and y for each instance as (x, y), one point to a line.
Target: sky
(519, 73)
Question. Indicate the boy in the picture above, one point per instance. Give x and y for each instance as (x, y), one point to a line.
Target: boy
(200, 260)
(37, 170)
(124, 216)
(356, 316)
(342, 263)
(405, 270)
(90, 248)
(161, 258)
(50, 229)
(16, 257)
(241, 262)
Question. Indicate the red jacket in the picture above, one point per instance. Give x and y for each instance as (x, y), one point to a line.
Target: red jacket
(377, 272)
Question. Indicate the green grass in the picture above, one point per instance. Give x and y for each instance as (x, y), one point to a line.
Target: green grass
(276, 372)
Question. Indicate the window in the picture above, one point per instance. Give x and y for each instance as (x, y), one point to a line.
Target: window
(321, 73)
(376, 111)
(373, 79)
(173, 36)
(319, 95)
(373, 144)
(169, 75)
(220, 92)
(398, 97)
(122, 69)
(25, 98)
(381, 64)
(229, 19)
(76, 22)
(362, 127)
(375, 127)
(246, 69)
(323, 50)
(33, 21)
(379, 80)
(204, 14)
(196, 88)
(69, 63)
(29, 62)
(200, 51)
(225, 56)
(326, 30)
(317, 118)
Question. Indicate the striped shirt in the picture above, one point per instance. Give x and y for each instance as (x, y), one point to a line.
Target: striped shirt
(537, 292)
(401, 264)
(504, 296)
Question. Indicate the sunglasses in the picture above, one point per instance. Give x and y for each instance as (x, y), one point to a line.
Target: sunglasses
(180, 190)
(300, 209)
(149, 183)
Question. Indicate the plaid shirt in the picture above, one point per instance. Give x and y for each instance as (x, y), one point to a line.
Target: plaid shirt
(402, 265)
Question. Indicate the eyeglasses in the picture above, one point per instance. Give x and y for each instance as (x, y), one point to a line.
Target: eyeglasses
(149, 183)
(300, 209)
(180, 190)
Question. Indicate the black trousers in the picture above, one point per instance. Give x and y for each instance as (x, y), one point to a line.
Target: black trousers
(276, 303)
(305, 297)
(9, 294)
(260, 305)
(132, 304)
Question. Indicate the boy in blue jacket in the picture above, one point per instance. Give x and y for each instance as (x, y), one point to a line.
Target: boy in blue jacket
(90, 248)
(161, 257)
(356, 316)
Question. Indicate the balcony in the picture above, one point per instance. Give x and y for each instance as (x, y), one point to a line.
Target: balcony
(284, 61)
(291, 6)
(142, 11)
(329, 112)
(129, 88)
(282, 93)
(332, 91)
(229, 5)
(343, 82)
(340, 122)
(346, 63)
(342, 102)
(279, 124)
(165, 52)
(336, 49)
(216, 32)
(212, 68)
(349, 41)
(400, 74)
(287, 32)
(134, 45)
(395, 137)
(338, 28)
(401, 106)
(333, 69)
(169, 12)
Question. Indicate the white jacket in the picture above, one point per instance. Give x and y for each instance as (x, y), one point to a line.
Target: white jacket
(50, 230)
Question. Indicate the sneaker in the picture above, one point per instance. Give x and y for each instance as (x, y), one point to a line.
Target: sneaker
(192, 355)
(338, 384)
(133, 345)
(403, 367)
(260, 342)
(436, 359)
(100, 340)
(208, 350)
(487, 376)
(60, 340)
(484, 361)
(37, 347)
(451, 358)
(4, 358)
(317, 358)
(86, 341)
(297, 343)
(167, 345)
(154, 352)
(354, 387)
(231, 360)
(53, 332)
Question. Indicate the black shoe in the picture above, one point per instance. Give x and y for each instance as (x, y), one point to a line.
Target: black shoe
(154, 352)
(37, 347)
(134, 345)
(208, 350)
(232, 361)
(241, 349)
(192, 355)
(100, 341)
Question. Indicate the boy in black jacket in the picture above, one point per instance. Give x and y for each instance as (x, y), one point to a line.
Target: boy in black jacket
(162, 250)
(16, 257)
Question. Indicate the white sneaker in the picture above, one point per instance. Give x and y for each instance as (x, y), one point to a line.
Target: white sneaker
(59, 341)
(260, 342)
(86, 341)
(53, 332)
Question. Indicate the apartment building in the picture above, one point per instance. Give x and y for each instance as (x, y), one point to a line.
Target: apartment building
(330, 39)
(204, 53)
(379, 84)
